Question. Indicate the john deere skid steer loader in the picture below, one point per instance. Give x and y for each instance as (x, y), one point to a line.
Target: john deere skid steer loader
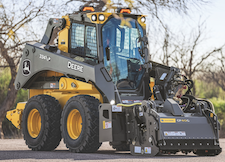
(89, 82)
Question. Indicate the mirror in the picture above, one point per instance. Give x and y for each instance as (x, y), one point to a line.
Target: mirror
(107, 51)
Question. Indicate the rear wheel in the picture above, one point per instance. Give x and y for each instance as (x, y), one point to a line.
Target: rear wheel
(80, 124)
(41, 123)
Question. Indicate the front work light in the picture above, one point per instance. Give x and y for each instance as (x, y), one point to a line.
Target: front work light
(143, 19)
(94, 18)
(101, 17)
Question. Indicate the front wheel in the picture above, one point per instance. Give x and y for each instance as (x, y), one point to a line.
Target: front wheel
(41, 123)
(80, 124)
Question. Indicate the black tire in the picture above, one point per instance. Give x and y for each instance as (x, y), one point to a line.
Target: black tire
(88, 139)
(123, 146)
(49, 135)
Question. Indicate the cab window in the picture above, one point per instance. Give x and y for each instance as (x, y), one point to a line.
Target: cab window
(83, 42)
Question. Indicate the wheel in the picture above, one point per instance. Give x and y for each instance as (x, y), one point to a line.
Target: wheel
(41, 123)
(123, 146)
(80, 124)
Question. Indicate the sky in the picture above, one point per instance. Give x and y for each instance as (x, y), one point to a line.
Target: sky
(216, 21)
(212, 14)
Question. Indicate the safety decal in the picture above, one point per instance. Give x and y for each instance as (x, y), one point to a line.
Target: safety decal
(107, 125)
(174, 133)
(168, 120)
(26, 67)
(137, 149)
(52, 85)
(148, 150)
(127, 101)
(137, 101)
(116, 108)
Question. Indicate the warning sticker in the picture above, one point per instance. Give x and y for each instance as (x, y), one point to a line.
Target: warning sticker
(168, 120)
(137, 101)
(116, 108)
(137, 149)
(127, 101)
(148, 150)
(52, 85)
(107, 125)
(174, 133)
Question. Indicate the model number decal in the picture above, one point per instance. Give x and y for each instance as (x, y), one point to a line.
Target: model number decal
(43, 57)
(75, 67)
(183, 120)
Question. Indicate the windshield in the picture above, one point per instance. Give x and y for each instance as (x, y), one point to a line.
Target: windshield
(126, 64)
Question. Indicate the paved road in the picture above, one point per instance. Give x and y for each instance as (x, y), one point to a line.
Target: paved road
(16, 150)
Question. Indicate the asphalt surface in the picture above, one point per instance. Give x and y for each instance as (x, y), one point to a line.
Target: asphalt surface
(16, 150)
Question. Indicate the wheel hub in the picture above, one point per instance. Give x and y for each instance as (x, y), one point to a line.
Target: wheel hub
(34, 123)
(74, 124)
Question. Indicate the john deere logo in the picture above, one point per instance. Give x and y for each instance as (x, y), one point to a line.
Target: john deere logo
(26, 67)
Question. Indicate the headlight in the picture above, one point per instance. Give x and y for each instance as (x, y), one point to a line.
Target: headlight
(93, 17)
(112, 102)
(143, 19)
(101, 17)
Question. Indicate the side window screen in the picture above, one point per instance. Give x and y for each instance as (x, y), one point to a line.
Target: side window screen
(91, 43)
(77, 39)
(84, 43)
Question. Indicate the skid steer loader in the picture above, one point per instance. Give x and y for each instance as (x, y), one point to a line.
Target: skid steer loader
(92, 84)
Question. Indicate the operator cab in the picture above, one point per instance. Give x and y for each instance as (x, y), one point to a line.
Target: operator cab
(123, 59)
(114, 40)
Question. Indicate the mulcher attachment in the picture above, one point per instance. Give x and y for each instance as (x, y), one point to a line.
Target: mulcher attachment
(163, 128)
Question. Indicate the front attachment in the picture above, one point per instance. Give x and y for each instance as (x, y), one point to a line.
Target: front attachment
(151, 128)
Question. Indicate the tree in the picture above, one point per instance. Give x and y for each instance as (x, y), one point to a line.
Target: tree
(215, 71)
(15, 31)
(186, 51)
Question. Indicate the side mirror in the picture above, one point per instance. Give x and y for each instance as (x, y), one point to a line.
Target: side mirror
(107, 51)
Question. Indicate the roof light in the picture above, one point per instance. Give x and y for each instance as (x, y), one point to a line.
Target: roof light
(143, 19)
(88, 9)
(125, 10)
(94, 18)
(101, 17)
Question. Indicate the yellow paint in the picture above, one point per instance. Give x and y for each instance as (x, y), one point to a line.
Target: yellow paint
(63, 39)
(74, 124)
(51, 74)
(211, 115)
(167, 120)
(129, 105)
(63, 94)
(34, 123)
(97, 14)
(103, 124)
(68, 88)
(151, 85)
(15, 115)
(141, 23)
